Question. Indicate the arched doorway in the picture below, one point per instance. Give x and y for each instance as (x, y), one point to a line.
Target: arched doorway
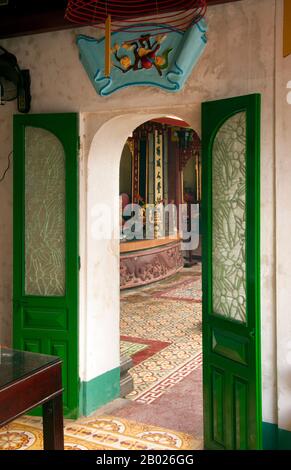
(231, 137)
(99, 247)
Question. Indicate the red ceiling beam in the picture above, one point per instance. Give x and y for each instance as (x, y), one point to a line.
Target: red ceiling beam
(14, 22)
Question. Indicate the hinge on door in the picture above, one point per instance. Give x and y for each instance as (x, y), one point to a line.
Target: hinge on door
(79, 262)
(79, 143)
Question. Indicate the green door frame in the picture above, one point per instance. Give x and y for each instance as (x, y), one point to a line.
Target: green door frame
(232, 350)
(49, 325)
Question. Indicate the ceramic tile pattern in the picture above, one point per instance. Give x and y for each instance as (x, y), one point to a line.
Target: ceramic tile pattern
(161, 330)
(187, 290)
(167, 311)
(141, 349)
(97, 433)
(129, 348)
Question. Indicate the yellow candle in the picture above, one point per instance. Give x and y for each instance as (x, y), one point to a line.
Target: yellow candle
(108, 46)
(287, 28)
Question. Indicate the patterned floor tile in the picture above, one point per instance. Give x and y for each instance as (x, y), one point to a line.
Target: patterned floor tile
(189, 290)
(161, 324)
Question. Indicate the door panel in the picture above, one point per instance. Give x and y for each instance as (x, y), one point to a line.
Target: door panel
(231, 274)
(46, 242)
(45, 213)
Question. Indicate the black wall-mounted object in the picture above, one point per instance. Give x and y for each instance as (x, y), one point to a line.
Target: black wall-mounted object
(14, 83)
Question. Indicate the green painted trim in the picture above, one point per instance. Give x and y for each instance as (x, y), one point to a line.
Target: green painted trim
(275, 438)
(99, 391)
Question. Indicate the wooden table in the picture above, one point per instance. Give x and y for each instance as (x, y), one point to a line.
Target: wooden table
(28, 380)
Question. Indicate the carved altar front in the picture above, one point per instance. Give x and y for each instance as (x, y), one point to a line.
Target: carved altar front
(147, 261)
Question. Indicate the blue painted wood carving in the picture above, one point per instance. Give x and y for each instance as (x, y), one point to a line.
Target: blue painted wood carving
(162, 60)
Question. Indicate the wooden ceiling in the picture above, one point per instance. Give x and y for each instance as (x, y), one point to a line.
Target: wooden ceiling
(21, 17)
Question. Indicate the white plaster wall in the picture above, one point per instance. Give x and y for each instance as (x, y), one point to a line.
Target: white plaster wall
(283, 226)
(239, 59)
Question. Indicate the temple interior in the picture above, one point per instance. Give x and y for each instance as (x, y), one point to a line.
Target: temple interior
(160, 167)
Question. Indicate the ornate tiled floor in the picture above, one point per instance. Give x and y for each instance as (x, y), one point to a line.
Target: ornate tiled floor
(141, 349)
(169, 311)
(161, 330)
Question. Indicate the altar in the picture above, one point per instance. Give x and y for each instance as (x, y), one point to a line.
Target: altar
(146, 261)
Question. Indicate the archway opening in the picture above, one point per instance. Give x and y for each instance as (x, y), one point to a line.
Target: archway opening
(176, 363)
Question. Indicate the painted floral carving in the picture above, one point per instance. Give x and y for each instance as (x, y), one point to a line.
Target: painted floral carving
(145, 54)
(141, 58)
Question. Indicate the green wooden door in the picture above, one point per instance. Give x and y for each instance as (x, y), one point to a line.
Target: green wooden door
(231, 273)
(45, 297)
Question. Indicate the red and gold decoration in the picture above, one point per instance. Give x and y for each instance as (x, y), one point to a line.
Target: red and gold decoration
(186, 144)
(158, 162)
(135, 171)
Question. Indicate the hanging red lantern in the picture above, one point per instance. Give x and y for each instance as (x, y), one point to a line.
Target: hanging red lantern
(173, 14)
(120, 15)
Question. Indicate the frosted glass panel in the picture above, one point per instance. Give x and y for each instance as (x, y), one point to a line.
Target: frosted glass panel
(229, 221)
(45, 194)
